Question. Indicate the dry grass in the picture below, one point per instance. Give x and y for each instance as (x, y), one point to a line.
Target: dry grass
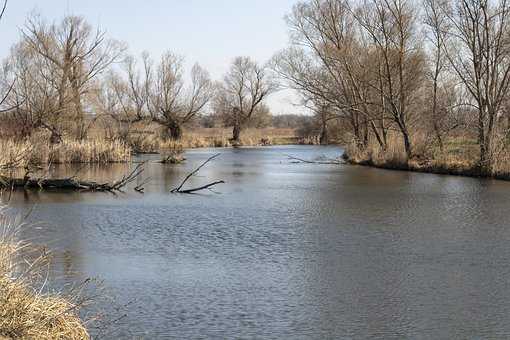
(40, 152)
(26, 312)
(459, 157)
(394, 156)
(146, 142)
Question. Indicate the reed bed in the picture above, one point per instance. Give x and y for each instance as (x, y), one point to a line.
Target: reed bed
(25, 311)
(42, 152)
(39, 151)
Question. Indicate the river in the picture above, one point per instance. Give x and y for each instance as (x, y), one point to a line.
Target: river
(286, 250)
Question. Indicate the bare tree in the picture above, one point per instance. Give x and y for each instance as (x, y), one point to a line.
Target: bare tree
(33, 97)
(124, 96)
(76, 55)
(437, 25)
(330, 63)
(7, 83)
(477, 46)
(392, 28)
(244, 89)
(171, 104)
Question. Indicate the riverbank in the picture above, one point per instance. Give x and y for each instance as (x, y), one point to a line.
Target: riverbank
(146, 142)
(26, 312)
(457, 159)
(38, 151)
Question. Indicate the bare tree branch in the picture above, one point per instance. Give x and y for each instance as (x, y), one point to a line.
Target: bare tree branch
(194, 172)
(3, 10)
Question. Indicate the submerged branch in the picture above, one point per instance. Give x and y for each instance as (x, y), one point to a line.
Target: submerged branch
(207, 186)
(326, 162)
(71, 183)
(191, 174)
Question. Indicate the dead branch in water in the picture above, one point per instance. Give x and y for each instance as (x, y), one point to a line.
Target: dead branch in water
(70, 183)
(326, 162)
(191, 174)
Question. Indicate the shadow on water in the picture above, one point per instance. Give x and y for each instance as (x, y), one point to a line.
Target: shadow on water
(287, 250)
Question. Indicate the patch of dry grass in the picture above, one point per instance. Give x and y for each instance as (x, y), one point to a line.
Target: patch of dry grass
(459, 157)
(394, 156)
(25, 311)
(94, 151)
(212, 138)
(40, 152)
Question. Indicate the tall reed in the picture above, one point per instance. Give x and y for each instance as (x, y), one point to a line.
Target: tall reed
(26, 312)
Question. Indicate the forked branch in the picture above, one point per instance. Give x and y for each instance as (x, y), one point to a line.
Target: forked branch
(180, 189)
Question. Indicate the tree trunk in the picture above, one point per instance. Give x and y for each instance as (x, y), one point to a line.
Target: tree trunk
(174, 131)
(55, 138)
(439, 138)
(236, 133)
(482, 142)
(324, 138)
(382, 143)
(407, 144)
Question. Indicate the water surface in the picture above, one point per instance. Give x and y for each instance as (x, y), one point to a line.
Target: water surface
(285, 250)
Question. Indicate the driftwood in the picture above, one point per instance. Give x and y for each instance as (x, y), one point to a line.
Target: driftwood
(71, 183)
(180, 189)
(325, 162)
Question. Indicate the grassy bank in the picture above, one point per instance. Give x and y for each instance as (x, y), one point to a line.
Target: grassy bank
(26, 312)
(458, 158)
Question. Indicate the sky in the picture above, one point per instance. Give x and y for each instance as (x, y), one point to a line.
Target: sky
(210, 32)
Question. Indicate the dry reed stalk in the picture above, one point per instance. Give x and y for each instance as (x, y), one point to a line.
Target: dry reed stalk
(25, 311)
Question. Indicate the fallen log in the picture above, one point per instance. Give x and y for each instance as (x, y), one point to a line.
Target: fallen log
(180, 189)
(71, 183)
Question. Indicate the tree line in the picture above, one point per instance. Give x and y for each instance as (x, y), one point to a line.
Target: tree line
(63, 76)
(405, 68)
(420, 71)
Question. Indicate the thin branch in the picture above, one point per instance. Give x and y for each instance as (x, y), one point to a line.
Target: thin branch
(194, 172)
(3, 10)
(207, 186)
(329, 162)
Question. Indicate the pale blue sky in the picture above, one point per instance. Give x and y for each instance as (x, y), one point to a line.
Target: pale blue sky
(210, 32)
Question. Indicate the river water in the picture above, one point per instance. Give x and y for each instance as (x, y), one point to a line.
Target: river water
(286, 251)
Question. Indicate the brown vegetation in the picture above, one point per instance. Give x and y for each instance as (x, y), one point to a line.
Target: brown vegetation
(68, 151)
(408, 80)
(62, 100)
(26, 312)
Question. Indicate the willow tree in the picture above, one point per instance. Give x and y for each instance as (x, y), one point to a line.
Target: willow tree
(124, 96)
(391, 27)
(329, 63)
(33, 97)
(477, 46)
(243, 90)
(76, 54)
(171, 103)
